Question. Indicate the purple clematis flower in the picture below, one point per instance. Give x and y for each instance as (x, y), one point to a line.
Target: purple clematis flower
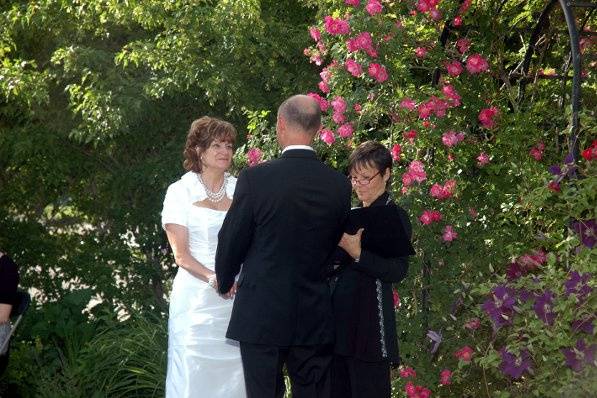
(514, 366)
(580, 355)
(577, 284)
(587, 232)
(543, 307)
(583, 325)
(500, 307)
(436, 338)
(555, 170)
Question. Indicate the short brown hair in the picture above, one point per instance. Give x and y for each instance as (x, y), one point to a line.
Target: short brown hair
(202, 133)
(372, 154)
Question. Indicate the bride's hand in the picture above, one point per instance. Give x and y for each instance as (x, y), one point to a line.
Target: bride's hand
(231, 293)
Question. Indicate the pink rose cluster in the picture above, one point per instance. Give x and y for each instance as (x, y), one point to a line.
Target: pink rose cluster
(336, 26)
(378, 72)
(434, 106)
(353, 67)
(463, 45)
(414, 391)
(396, 299)
(254, 156)
(396, 150)
(449, 234)
(374, 7)
(526, 263)
(407, 372)
(408, 103)
(473, 324)
(430, 216)
(476, 64)
(482, 159)
(415, 173)
(354, 3)
(327, 136)
(429, 7)
(363, 41)
(453, 67)
(454, 99)
(339, 106)
(443, 192)
(465, 354)
(445, 377)
(487, 117)
(452, 138)
(410, 135)
(536, 151)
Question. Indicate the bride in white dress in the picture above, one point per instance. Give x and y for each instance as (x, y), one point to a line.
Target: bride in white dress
(201, 361)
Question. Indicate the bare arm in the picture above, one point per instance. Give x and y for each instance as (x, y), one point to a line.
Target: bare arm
(178, 236)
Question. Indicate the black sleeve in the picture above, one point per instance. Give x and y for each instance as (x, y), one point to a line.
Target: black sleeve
(9, 280)
(235, 236)
(391, 270)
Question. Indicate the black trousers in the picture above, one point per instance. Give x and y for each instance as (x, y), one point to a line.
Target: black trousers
(353, 378)
(307, 366)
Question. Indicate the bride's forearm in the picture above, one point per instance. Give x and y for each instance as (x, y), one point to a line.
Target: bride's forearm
(190, 264)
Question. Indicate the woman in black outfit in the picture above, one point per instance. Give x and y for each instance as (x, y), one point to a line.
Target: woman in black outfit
(366, 341)
(9, 279)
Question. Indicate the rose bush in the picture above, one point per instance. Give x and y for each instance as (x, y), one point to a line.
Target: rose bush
(499, 299)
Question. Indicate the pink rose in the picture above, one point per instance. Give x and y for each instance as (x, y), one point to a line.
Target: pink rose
(323, 86)
(374, 7)
(457, 21)
(420, 52)
(354, 3)
(537, 151)
(452, 138)
(396, 150)
(315, 33)
(254, 156)
(339, 104)
(450, 92)
(338, 118)
(449, 234)
(486, 117)
(408, 103)
(336, 26)
(327, 136)
(463, 45)
(476, 64)
(410, 135)
(353, 67)
(345, 130)
(464, 354)
(357, 108)
(454, 68)
(445, 377)
(378, 72)
(473, 212)
(464, 6)
(423, 6)
(407, 372)
(443, 192)
(482, 159)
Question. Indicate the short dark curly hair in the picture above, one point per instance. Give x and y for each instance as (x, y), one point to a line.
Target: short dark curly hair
(202, 133)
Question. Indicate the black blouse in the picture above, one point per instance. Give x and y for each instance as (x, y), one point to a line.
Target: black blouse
(364, 315)
(9, 280)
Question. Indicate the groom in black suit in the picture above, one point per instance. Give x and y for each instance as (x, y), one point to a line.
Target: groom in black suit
(286, 218)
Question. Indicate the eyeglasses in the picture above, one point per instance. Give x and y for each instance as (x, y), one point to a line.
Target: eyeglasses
(362, 181)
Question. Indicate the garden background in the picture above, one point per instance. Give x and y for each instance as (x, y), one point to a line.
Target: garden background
(493, 160)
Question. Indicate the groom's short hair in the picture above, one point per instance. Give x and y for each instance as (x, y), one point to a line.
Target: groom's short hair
(303, 112)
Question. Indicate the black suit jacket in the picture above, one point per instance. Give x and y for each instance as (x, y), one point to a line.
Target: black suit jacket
(284, 223)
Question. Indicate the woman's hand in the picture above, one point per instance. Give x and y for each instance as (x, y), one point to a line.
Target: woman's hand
(352, 243)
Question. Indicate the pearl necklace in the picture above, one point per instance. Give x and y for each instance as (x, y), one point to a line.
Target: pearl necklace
(214, 197)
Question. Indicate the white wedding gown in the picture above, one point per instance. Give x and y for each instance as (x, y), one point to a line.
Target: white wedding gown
(201, 361)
